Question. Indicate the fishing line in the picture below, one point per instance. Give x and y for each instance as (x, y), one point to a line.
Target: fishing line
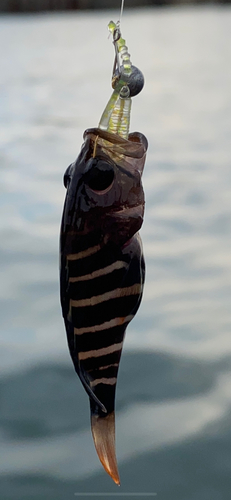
(121, 11)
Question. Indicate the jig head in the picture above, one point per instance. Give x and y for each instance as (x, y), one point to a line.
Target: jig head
(127, 82)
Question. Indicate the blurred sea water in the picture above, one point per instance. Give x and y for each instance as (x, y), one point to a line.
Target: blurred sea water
(174, 390)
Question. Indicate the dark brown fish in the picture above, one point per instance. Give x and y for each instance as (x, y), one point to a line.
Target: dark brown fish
(102, 265)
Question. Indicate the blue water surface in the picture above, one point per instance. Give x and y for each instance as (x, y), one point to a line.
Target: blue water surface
(174, 390)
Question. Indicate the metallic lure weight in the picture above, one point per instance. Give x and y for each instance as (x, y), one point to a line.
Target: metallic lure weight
(102, 266)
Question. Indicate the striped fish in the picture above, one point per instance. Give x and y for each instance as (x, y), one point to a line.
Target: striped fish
(102, 268)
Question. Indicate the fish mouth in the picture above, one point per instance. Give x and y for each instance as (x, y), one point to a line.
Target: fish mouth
(132, 149)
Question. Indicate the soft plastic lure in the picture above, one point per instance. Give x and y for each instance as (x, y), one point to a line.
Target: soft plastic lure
(102, 265)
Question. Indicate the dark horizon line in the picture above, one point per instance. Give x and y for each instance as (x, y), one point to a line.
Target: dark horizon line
(24, 6)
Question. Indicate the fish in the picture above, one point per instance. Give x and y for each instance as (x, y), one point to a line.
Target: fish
(102, 267)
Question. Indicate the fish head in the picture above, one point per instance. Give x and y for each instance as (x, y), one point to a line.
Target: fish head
(105, 192)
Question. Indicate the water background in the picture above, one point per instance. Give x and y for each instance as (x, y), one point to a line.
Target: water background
(174, 390)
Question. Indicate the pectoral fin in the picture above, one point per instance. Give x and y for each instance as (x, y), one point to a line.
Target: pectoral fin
(103, 431)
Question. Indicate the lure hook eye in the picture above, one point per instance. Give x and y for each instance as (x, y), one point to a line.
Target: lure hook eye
(116, 34)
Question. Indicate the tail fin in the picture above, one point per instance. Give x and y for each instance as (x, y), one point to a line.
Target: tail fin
(103, 431)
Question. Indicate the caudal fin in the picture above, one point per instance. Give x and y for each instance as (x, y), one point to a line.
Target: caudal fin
(103, 431)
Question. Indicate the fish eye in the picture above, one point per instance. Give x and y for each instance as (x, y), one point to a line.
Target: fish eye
(99, 174)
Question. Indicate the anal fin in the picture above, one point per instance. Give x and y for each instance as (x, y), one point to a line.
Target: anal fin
(90, 392)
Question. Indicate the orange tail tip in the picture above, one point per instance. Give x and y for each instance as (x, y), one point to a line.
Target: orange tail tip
(103, 431)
